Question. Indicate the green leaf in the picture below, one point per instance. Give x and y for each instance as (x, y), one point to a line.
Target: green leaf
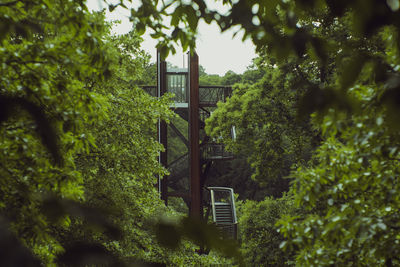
(140, 28)
(177, 16)
(191, 17)
(112, 7)
(47, 133)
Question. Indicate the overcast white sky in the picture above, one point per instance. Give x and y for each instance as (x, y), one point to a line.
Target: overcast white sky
(218, 52)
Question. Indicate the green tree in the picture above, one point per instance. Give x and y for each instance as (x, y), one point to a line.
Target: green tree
(230, 78)
(268, 131)
(350, 194)
(254, 72)
(210, 79)
(149, 76)
(100, 137)
(45, 59)
(120, 170)
(259, 236)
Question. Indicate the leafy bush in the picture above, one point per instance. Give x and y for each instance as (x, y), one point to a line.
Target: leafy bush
(351, 193)
(258, 233)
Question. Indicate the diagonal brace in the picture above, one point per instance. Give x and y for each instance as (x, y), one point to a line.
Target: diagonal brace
(179, 134)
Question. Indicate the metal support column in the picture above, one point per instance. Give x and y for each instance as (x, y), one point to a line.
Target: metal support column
(162, 126)
(195, 181)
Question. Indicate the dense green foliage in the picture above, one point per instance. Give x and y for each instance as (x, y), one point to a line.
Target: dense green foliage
(349, 195)
(119, 170)
(268, 132)
(251, 75)
(73, 143)
(350, 190)
(346, 54)
(258, 233)
(79, 143)
(46, 59)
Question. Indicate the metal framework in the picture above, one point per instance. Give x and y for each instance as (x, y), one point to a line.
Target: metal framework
(194, 104)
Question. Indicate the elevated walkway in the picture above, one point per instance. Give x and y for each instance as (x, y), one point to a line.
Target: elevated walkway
(215, 151)
(209, 95)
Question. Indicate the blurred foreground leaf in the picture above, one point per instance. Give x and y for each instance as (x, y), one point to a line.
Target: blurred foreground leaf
(55, 208)
(12, 252)
(10, 106)
(207, 236)
(84, 254)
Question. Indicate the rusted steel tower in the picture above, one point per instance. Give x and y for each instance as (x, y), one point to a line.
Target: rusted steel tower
(193, 104)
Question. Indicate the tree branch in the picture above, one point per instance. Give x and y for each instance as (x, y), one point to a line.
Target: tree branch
(9, 3)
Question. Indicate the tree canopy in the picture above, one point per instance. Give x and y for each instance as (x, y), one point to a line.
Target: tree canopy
(319, 106)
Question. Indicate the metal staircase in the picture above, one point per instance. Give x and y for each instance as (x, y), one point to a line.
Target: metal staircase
(223, 210)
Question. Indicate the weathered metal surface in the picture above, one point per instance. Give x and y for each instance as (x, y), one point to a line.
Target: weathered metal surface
(196, 210)
(193, 103)
(162, 89)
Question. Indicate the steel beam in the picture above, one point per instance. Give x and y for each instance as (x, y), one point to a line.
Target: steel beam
(162, 129)
(196, 209)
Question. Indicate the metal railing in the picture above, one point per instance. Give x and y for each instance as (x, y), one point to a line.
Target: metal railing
(224, 210)
(178, 85)
(215, 151)
(210, 95)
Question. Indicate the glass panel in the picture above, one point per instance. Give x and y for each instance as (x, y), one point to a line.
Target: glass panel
(177, 84)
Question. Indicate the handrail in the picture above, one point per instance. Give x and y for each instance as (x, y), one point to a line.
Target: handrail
(228, 189)
(214, 86)
(219, 188)
(201, 86)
